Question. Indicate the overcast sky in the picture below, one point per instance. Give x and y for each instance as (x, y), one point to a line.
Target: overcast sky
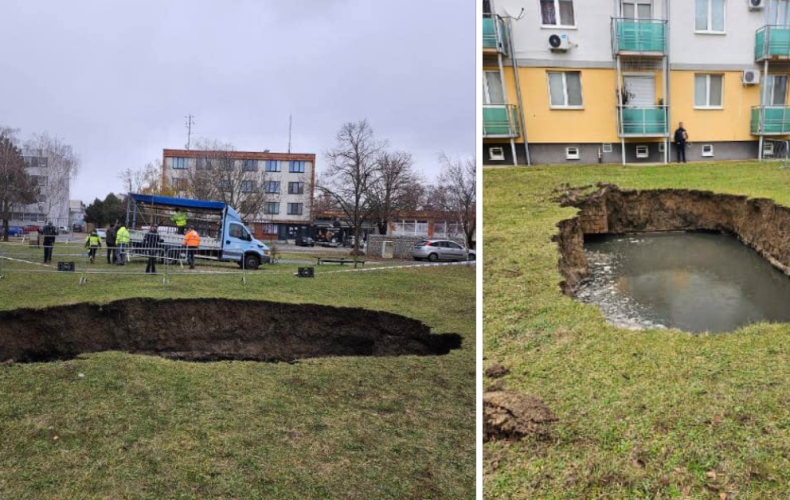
(116, 79)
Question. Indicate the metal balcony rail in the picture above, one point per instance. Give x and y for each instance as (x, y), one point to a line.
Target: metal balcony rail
(495, 35)
(500, 120)
(639, 36)
(642, 121)
(770, 120)
(772, 42)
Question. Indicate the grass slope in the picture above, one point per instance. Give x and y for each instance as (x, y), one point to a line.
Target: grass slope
(648, 414)
(145, 427)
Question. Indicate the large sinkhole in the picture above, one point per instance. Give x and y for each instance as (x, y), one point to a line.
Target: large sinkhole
(214, 330)
(693, 260)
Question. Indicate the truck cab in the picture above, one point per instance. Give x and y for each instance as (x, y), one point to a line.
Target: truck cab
(239, 246)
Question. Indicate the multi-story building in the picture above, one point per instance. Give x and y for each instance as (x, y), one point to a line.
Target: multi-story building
(52, 200)
(288, 179)
(588, 81)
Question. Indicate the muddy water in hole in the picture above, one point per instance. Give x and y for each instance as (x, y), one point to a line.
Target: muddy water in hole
(693, 281)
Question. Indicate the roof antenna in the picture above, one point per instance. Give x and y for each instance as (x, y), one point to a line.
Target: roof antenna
(190, 122)
(290, 123)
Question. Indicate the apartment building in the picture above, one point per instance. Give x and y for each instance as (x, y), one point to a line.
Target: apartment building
(287, 179)
(588, 81)
(52, 200)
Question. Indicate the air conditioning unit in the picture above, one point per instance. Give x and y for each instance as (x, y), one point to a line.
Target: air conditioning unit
(751, 77)
(559, 43)
(757, 4)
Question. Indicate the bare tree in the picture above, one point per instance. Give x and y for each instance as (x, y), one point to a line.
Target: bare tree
(145, 180)
(396, 187)
(16, 187)
(55, 176)
(352, 172)
(456, 193)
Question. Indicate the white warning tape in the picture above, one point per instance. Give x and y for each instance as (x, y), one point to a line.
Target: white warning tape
(408, 266)
(25, 261)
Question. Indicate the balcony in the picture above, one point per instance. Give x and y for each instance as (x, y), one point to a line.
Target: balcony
(495, 36)
(770, 120)
(642, 121)
(772, 43)
(500, 121)
(642, 37)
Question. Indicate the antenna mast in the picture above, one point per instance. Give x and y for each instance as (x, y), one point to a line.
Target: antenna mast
(190, 122)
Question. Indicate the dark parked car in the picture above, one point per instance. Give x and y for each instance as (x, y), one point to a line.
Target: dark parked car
(305, 241)
(77, 228)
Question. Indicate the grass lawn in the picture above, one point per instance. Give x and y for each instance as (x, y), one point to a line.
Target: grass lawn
(145, 427)
(642, 414)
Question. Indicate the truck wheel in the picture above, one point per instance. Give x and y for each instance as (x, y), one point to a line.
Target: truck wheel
(251, 262)
(433, 257)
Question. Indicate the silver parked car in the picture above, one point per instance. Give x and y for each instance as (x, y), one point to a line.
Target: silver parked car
(434, 250)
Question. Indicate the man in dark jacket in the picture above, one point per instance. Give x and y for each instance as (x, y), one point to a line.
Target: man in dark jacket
(151, 243)
(49, 233)
(681, 136)
(112, 256)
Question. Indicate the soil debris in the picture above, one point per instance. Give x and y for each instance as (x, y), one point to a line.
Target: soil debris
(509, 415)
(497, 371)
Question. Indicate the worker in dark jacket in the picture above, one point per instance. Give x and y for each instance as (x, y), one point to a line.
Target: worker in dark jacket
(681, 137)
(151, 243)
(112, 256)
(49, 233)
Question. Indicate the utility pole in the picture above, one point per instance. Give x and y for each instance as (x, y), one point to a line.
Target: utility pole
(290, 123)
(190, 122)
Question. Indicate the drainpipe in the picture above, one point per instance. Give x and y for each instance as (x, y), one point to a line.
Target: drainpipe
(667, 82)
(620, 108)
(518, 91)
(504, 93)
(763, 99)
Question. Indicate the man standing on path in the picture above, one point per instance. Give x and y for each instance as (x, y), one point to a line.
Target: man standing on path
(681, 136)
(151, 244)
(112, 256)
(49, 233)
(191, 242)
(122, 239)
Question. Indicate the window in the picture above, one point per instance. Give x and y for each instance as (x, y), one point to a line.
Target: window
(453, 245)
(272, 165)
(572, 153)
(203, 164)
(269, 228)
(180, 163)
(271, 208)
(411, 228)
(492, 88)
(247, 186)
(224, 184)
(228, 164)
(557, 13)
(707, 150)
(250, 165)
(637, 9)
(238, 231)
(642, 151)
(42, 198)
(179, 183)
(295, 208)
(297, 167)
(775, 90)
(273, 187)
(496, 154)
(708, 91)
(296, 188)
(565, 89)
(709, 17)
(606, 148)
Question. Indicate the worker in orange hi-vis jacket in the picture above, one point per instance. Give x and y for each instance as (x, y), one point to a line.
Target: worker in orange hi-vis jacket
(191, 242)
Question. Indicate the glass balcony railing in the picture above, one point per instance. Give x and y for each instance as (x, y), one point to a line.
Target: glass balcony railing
(770, 120)
(642, 121)
(495, 36)
(639, 36)
(772, 42)
(500, 120)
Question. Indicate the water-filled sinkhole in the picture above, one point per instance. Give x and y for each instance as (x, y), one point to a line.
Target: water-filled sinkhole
(692, 260)
(214, 329)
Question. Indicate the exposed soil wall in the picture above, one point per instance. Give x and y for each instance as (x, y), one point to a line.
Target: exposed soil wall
(214, 329)
(757, 222)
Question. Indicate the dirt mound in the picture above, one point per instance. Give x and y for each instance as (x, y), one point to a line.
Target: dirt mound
(497, 371)
(510, 415)
(759, 223)
(214, 329)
